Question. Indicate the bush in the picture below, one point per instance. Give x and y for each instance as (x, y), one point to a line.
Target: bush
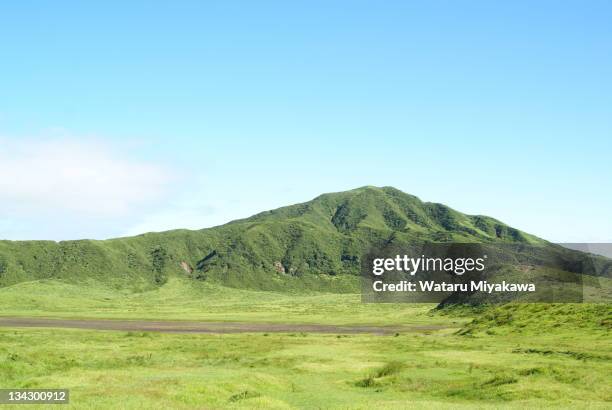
(389, 369)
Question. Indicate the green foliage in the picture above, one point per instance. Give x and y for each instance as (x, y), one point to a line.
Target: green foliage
(325, 236)
(158, 263)
(502, 356)
(526, 318)
(438, 370)
(389, 369)
(187, 299)
(366, 382)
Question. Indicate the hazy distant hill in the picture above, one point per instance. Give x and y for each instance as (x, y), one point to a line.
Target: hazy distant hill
(602, 249)
(299, 246)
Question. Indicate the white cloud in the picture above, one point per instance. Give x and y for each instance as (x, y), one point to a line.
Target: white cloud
(75, 176)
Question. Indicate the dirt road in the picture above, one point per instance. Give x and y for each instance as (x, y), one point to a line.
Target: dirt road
(207, 327)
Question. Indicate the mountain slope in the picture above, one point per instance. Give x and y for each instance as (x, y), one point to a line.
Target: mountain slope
(315, 244)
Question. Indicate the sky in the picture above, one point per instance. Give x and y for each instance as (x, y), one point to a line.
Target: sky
(118, 118)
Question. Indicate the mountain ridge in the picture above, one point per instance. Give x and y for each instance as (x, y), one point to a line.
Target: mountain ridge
(301, 244)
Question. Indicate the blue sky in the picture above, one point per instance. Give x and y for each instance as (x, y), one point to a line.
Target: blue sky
(123, 117)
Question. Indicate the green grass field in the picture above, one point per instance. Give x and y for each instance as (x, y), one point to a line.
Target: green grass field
(511, 356)
(182, 299)
(440, 369)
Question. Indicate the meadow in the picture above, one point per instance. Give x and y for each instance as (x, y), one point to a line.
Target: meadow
(435, 370)
(183, 299)
(508, 356)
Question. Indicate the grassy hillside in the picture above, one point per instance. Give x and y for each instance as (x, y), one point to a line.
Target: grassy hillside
(325, 236)
(299, 265)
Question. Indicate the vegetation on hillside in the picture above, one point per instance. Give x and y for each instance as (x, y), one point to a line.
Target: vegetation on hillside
(298, 264)
(326, 236)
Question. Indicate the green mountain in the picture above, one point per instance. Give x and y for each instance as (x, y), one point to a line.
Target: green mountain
(313, 245)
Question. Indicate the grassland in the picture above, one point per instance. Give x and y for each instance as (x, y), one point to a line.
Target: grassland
(435, 370)
(181, 299)
(294, 265)
(509, 356)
